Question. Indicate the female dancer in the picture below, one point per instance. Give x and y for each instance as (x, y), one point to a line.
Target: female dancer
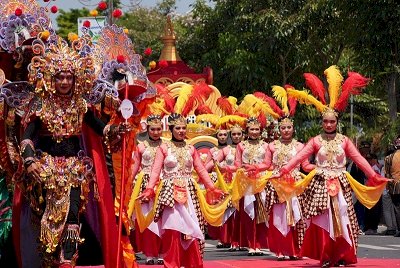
(148, 241)
(228, 233)
(285, 222)
(178, 208)
(332, 231)
(251, 155)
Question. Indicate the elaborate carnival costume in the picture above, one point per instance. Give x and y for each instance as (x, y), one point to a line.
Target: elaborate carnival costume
(251, 154)
(332, 231)
(148, 241)
(55, 149)
(286, 225)
(223, 157)
(177, 200)
(118, 64)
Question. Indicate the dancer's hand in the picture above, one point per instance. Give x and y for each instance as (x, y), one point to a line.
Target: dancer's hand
(146, 195)
(33, 171)
(213, 195)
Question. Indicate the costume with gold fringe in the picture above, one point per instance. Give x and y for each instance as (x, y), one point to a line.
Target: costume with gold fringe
(326, 191)
(180, 205)
(57, 126)
(286, 223)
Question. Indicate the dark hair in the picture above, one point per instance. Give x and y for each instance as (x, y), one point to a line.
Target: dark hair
(365, 144)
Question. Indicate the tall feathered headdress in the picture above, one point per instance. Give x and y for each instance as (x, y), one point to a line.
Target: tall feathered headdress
(338, 91)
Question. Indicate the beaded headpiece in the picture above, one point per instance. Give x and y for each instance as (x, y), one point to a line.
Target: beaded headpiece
(176, 119)
(338, 91)
(253, 122)
(115, 60)
(59, 57)
(154, 120)
(21, 20)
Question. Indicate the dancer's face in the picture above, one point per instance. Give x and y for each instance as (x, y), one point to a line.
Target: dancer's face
(286, 131)
(179, 132)
(329, 123)
(254, 132)
(64, 81)
(222, 136)
(236, 135)
(155, 132)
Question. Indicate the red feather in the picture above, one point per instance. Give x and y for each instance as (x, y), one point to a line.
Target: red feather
(203, 109)
(241, 114)
(200, 93)
(225, 105)
(292, 106)
(162, 91)
(292, 102)
(352, 86)
(262, 119)
(316, 86)
(271, 101)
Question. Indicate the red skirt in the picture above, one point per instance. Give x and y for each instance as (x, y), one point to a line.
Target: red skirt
(252, 235)
(223, 233)
(318, 245)
(147, 242)
(175, 256)
(279, 244)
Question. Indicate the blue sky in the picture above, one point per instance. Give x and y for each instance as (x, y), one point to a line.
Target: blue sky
(182, 5)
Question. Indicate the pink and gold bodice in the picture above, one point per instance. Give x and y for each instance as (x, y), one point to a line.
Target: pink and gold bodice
(253, 153)
(178, 161)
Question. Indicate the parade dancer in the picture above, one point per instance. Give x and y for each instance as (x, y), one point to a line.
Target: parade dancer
(332, 231)
(251, 155)
(148, 241)
(62, 155)
(286, 225)
(178, 207)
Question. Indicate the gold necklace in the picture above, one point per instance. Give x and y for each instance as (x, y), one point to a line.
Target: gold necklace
(63, 116)
(283, 150)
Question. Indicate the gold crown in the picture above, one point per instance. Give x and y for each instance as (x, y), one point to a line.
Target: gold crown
(154, 121)
(59, 57)
(177, 121)
(236, 126)
(286, 121)
(252, 121)
(329, 111)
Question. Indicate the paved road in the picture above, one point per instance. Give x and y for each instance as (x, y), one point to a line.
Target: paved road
(370, 246)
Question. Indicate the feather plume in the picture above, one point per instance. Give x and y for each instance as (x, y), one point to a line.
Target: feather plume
(225, 105)
(292, 105)
(228, 121)
(335, 79)
(352, 86)
(200, 93)
(262, 119)
(306, 98)
(203, 109)
(233, 101)
(316, 86)
(253, 106)
(292, 102)
(158, 107)
(211, 118)
(183, 97)
(280, 95)
(163, 93)
(271, 101)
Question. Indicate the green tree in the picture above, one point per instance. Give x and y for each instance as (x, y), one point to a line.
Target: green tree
(67, 21)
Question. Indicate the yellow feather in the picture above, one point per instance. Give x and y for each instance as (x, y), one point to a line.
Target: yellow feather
(305, 98)
(233, 101)
(253, 106)
(280, 95)
(158, 107)
(183, 97)
(231, 120)
(211, 118)
(335, 79)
